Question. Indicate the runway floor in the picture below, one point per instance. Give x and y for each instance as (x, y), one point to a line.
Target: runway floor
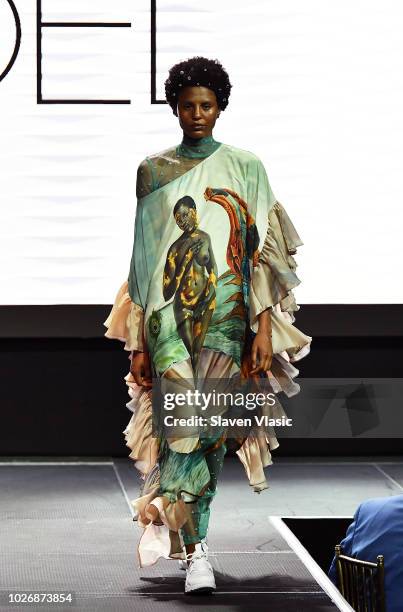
(66, 527)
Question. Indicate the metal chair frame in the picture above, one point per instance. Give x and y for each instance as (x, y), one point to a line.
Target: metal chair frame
(362, 583)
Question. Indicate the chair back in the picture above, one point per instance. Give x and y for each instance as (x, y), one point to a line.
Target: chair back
(362, 583)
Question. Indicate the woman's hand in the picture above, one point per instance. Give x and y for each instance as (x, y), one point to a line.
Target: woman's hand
(262, 353)
(140, 368)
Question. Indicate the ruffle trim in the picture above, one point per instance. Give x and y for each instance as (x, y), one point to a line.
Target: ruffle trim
(271, 287)
(255, 456)
(160, 517)
(126, 321)
(274, 277)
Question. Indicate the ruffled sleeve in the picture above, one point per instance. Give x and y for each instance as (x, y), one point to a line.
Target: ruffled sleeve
(273, 269)
(126, 321)
(274, 277)
(273, 241)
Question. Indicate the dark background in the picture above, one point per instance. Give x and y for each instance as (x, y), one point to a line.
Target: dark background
(63, 390)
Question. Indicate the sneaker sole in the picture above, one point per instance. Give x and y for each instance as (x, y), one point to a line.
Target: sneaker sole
(201, 591)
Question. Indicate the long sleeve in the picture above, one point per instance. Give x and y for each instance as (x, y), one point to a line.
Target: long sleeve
(273, 240)
(273, 273)
(126, 319)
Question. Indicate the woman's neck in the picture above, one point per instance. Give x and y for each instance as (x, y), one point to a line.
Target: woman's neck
(197, 147)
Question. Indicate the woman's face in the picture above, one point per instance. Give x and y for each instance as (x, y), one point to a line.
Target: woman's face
(197, 111)
(185, 218)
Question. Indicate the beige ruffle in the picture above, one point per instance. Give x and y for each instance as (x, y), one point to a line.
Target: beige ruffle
(286, 338)
(161, 521)
(274, 276)
(255, 456)
(126, 321)
(271, 287)
(138, 433)
(160, 518)
(289, 345)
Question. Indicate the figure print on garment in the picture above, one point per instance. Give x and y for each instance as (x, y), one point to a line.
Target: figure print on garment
(190, 272)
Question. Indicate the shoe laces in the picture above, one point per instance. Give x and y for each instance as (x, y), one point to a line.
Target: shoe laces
(194, 556)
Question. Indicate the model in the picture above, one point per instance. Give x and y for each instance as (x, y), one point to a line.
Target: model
(208, 296)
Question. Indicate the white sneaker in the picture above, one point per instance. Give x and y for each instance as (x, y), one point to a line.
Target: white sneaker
(183, 564)
(199, 574)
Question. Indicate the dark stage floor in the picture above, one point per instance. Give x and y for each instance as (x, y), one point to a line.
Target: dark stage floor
(66, 526)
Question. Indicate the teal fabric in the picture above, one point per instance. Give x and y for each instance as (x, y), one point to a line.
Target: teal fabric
(197, 147)
(156, 230)
(186, 474)
(201, 508)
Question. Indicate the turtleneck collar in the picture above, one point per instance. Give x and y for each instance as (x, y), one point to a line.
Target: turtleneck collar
(197, 147)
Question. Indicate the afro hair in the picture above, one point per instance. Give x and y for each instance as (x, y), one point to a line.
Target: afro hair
(198, 71)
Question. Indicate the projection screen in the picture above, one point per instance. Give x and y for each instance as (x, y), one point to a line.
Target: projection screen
(317, 95)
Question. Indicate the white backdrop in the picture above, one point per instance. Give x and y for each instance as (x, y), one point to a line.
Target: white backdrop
(317, 94)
